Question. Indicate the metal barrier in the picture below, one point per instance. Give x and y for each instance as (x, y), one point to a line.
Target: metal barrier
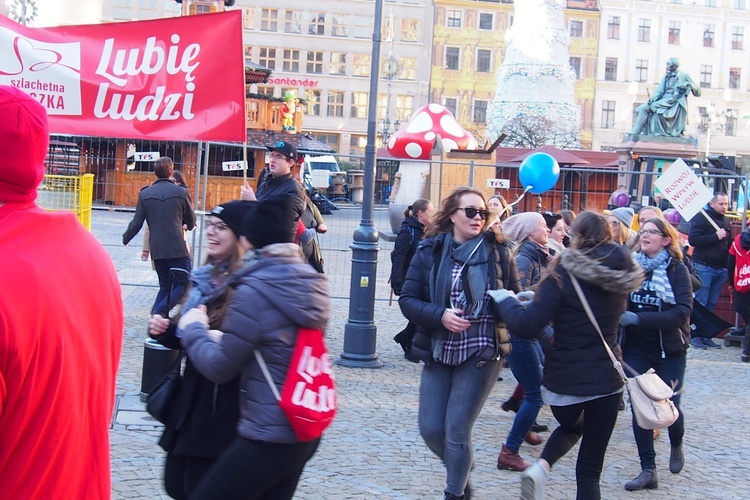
(69, 193)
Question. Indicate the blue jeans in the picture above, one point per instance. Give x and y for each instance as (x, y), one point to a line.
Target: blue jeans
(670, 368)
(450, 399)
(712, 281)
(164, 300)
(526, 361)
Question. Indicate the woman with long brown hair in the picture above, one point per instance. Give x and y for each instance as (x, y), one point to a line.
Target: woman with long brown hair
(459, 338)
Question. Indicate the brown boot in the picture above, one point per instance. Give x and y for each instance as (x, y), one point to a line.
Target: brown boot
(510, 460)
(533, 438)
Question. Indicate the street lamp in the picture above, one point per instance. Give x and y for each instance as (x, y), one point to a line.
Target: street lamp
(710, 119)
(388, 131)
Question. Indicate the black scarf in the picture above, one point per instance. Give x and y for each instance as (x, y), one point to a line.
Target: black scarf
(474, 256)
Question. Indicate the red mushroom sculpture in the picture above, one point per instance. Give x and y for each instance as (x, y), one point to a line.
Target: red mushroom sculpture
(429, 123)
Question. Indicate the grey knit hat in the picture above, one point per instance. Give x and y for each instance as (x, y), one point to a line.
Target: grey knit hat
(625, 214)
(520, 226)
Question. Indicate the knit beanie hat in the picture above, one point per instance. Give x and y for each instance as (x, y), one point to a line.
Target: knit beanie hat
(272, 220)
(625, 214)
(24, 138)
(520, 226)
(232, 214)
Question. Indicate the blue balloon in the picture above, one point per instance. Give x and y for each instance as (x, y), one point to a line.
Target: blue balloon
(539, 172)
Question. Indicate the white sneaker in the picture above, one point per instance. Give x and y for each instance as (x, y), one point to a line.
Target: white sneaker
(532, 482)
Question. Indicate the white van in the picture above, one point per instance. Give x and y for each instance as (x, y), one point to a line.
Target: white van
(325, 162)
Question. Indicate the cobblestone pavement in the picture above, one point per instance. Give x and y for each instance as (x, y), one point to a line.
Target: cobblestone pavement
(373, 448)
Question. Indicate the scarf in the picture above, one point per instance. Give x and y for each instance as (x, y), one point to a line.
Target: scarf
(658, 269)
(473, 255)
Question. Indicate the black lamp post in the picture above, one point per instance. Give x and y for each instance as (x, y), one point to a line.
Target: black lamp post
(360, 332)
(387, 131)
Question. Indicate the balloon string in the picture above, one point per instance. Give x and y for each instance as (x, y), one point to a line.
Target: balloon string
(526, 190)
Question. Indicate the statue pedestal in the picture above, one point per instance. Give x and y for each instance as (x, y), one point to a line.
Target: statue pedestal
(649, 155)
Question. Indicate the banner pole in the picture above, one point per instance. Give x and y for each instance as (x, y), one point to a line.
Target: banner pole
(713, 223)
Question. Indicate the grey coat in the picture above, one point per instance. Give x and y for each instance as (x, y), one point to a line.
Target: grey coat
(276, 295)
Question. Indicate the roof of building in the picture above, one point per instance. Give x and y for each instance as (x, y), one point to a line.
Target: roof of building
(259, 139)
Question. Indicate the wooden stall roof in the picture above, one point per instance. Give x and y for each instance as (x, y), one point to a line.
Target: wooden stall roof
(259, 139)
(581, 157)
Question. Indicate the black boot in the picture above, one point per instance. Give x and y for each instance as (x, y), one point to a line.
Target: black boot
(646, 480)
(512, 404)
(746, 345)
(450, 496)
(676, 460)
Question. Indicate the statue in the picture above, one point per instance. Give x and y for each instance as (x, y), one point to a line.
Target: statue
(665, 113)
(287, 111)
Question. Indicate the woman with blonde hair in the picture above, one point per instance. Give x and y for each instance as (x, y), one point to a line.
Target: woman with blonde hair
(621, 222)
(459, 338)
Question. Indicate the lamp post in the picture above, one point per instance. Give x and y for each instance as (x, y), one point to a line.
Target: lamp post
(388, 131)
(710, 118)
(360, 333)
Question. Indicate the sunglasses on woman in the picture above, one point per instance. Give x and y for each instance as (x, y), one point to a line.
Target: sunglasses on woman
(472, 212)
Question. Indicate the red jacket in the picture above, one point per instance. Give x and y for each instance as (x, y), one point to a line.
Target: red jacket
(61, 326)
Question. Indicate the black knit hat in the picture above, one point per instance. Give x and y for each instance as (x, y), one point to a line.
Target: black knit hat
(284, 148)
(272, 220)
(232, 214)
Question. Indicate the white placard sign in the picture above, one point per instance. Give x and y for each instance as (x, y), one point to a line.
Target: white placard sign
(498, 183)
(152, 156)
(227, 166)
(683, 189)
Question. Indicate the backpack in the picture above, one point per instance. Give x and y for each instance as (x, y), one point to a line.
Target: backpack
(308, 396)
(741, 267)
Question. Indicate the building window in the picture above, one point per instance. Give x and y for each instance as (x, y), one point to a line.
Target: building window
(641, 70)
(454, 18)
(382, 101)
(404, 107)
(248, 49)
(730, 129)
(709, 34)
(408, 68)
(738, 4)
(314, 62)
(644, 30)
(357, 144)
(292, 22)
(313, 102)
(338, 64)
(576, 29)
(710, 3)
(122, 10)
(738, 35)
(480, 112)
(339, 25)
(674, 32)
(335, 103)
(608, 114)
(248, 17)
(484, 61)
(330, 140)
(361, 66)
(267, 57)
(359, 105)
(202, 9)
(362, 27)
(451, 104)
(613, 28)
(262, 90)
(317, 23)
(575, 65)
(451, 58)
(269, 20)
(409, 30)
(290, 61)
(706, 70)
(486, 20)
(610, 69)
(734, 78)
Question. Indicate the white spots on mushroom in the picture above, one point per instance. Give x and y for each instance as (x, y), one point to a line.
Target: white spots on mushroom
(472, 143)
(429, 136)
(436, 108)
(413, 149)
(451, 126)
(420, 123)
(449, 144)
(392, 142)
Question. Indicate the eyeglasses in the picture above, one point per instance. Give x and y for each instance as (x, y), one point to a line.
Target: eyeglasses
(472, 212)
(652, 232)
(216, 226)
(278, 157)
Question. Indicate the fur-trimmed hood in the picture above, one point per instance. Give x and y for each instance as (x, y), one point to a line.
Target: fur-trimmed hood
(607, 266)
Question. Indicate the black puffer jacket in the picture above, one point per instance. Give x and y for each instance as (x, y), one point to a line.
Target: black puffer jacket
(407, 241)
(419, 308)
(708, 249)
(667, 330)
(531, 260)
(282, 185)
(577, 363)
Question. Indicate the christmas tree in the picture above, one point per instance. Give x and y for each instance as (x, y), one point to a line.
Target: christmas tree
(535, 80)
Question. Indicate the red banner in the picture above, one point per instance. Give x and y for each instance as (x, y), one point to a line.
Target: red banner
(180, 78)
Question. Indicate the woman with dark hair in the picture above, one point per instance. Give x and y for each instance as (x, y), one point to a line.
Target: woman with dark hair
(459, 338)
(557, 232)
(206, 413)
(657, 335)
(579, 382)
(417, 217)
(568, 216)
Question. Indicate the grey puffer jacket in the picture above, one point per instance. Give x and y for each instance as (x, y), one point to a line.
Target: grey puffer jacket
(276, 294)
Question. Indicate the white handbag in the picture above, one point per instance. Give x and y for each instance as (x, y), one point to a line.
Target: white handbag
(649, 394)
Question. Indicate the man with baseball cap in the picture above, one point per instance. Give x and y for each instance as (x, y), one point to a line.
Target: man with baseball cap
(282, 158)
(61, 327)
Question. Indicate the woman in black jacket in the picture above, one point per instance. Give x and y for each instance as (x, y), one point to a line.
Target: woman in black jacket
(579, 382)
(458, 336)
(657, 335)
(204, 419)
(417, 217)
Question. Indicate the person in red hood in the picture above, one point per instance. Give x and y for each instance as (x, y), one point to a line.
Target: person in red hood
(61, 326)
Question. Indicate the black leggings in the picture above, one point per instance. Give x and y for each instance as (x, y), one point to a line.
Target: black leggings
(594, 421)
(254, 470)
(181, 474)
